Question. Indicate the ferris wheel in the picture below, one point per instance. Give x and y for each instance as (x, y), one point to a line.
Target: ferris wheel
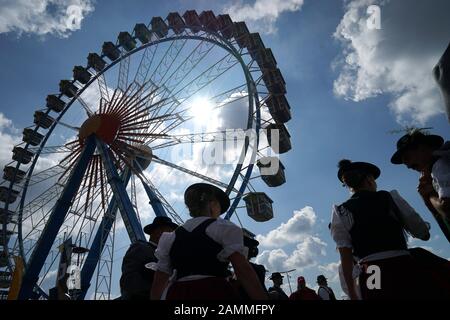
(104, 152)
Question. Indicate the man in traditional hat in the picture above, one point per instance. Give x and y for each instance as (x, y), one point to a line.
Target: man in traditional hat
(137, 274)
(303, 292)
(275, 292)
(427, 154)
(324, 291)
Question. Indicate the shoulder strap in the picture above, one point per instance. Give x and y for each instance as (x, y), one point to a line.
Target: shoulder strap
(202, 226)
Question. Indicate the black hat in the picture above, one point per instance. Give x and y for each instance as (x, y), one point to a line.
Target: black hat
(413, 139)
(159, 222)
(250, 242)
(206, 188)
(347, 165)
(321, 278)
(276, 275)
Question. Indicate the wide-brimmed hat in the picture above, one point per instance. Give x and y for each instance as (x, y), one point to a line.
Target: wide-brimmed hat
(276, 275)
(159, 222)
(414, 139)
(347, 165)
(250, 242)
(205, 189)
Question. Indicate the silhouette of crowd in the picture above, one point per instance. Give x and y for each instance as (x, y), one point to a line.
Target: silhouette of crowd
(209, 258)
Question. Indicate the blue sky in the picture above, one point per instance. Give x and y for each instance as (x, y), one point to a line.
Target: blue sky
(345, 98)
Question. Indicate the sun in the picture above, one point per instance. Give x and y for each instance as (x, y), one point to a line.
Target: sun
(202, 110)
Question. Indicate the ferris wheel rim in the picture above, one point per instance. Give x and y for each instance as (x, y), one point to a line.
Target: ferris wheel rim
(231, 49)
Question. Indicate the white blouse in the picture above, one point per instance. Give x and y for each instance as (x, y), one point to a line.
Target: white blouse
(224, 232)
(342, 222)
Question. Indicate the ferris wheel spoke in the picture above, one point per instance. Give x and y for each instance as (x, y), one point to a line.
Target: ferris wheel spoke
(190, 172)
(85, 106)
(187, 66)
(145, 64)
(124, 68)
(168, 60)
(217, 136)
(51, 149)
(201, 81)
(103, 89)
(230, 96)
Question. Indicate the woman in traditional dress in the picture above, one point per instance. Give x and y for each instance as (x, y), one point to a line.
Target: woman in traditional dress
(193, 260)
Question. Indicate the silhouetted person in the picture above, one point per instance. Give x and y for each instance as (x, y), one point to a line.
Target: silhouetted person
(303, 292)
(427, 154)
(275, 292)
(370, 228)
(193, 260)
(137, 277)
(324, 291)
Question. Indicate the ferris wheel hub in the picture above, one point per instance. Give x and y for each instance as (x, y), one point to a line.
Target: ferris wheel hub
(104, 126)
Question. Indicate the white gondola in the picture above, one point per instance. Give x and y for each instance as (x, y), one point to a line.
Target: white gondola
(95, 62)
(81, 74)
(226, 25)
(142, 33)
(67, 88)
(22, 155)
(279, 108)
(126, 41)
(176, 22)
(159, 27)
(43, 120)
(272, 171)
(259, 206)
(110, 50)
(13, 174)
(54, 103)
(284, 141)
(192, 20)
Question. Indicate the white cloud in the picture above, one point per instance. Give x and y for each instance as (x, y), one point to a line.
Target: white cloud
(272, 260)
(331, 271)
(9, 136)
(294, 230)
(307, 253)
(397, 59)
(262, 14)
(42, 17)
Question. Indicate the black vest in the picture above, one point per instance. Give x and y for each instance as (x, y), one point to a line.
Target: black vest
(374, 228)
(196, 253)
